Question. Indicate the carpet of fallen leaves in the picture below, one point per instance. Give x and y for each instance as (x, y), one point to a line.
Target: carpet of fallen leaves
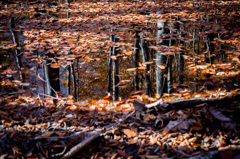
(37, 127)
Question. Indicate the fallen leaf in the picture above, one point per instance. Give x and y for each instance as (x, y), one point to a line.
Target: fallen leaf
(229, 125)
(122, 153)
(20, 91)
(178, 126)
(153, 157)
(218, 115)
(60, 133)
(153, 140)
(47, 134)
(129, 133)
(139, 106)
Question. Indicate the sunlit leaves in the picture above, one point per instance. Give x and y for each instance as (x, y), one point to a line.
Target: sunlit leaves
(129, 133)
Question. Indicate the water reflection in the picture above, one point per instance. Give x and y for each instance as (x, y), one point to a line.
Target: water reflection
(57, 56)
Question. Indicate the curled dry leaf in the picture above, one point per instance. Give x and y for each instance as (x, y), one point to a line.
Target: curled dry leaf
(162, 67)
(139, 106)
(218, 115)
(131, 69)
(229, 125)
(178, 125)
(129, 133)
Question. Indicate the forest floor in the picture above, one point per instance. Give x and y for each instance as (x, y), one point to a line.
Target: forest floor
(59, 127)
(38, 35)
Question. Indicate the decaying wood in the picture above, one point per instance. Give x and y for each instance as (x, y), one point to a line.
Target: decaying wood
(189, 103)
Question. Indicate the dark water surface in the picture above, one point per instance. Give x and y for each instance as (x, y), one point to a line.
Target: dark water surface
(50, 55)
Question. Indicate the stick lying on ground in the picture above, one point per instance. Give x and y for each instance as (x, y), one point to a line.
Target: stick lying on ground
(188, 103)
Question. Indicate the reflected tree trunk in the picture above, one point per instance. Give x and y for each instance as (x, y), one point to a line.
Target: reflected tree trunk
(15, 41)
(18, 60)
(110, 67)
(145, 57)
(180, 55)
(136, 59)
(169, 76)
(53, 75)
(194, 50)
(208, 60)
(180, 68)
(74, 86)
(115, 64)
(160, 61)
(47, 78)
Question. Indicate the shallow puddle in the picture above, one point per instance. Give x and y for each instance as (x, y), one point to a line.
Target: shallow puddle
(88, 49)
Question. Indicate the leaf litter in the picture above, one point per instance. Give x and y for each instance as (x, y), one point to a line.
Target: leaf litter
(38, 128)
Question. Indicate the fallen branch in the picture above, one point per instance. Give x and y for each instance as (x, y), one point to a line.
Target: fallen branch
(188, 103)
(79, 146)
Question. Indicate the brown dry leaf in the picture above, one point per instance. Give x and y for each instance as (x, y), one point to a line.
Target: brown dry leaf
(146, 117)
(102, 103)
(133, 140)
(196, 126)
(113, 57)
(49, 100)
(153, 157)
(153, 47)
(229, 125)
(129, 133)
(60, 133)
(73, 107)
(139, 106)
(70, 101)
(218, 115)
(127, 107)
(118, 108)
(169, 53)
(20, 91)
(153, 140)
(108, 97)
(162, 67)
(149, 117)
(2, 112)
(177, 125)
(70, 96)
(147, 63)
(122, 153)
(47, 134)
(131, 69)
(142, 67)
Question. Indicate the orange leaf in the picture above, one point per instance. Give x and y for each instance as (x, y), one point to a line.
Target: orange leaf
(169, 53)
(161, 67)
(55, 65)
(129, 133)
(153, 140)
